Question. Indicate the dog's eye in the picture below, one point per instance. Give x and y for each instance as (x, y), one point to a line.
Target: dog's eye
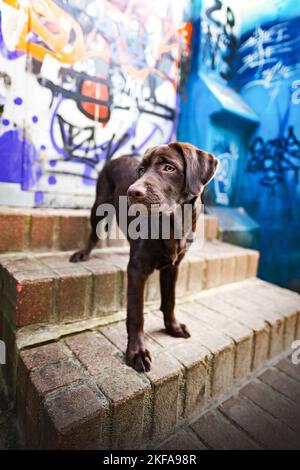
(169, 168)
(141, 170)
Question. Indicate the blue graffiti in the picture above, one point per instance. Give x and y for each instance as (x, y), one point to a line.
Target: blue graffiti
(273, 158)
(14, 143)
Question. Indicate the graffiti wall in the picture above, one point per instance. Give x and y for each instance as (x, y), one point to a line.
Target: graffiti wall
(81, 82)
(268, 70)
(245, 91)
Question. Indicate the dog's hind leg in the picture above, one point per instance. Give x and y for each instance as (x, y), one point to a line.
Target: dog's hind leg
(104, 196)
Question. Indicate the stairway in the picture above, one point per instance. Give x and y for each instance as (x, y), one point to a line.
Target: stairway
(63, 326)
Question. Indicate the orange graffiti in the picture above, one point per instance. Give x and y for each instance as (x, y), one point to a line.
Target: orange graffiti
(54, 27)
(186, 33)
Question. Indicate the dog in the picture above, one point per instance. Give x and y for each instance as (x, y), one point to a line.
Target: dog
(168, 175)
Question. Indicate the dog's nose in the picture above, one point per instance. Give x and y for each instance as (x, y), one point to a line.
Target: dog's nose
(137, 192)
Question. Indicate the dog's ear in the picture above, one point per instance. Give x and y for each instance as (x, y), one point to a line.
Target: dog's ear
(200, 166)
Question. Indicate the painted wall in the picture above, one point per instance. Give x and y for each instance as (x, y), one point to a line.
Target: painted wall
(268, 66)
(243, 103)
(81, 82)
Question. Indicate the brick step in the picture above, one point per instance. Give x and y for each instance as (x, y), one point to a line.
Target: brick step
(47, 288)
(58, 229)
(76, 392)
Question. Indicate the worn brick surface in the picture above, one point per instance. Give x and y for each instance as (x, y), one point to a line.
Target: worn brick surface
(12, 228)
(165, 376)
(129, 394)
(70, 233)
(107, 286)
(27, 290)
(217, 432)
(40, 382)
(221, 346)
(265, 312)
(197, 362)
(242, 336)
(75, 419)
(272, 433)
(41, 232)
(211, 227)
(246, 318)
(73, 287)
(94, 352)
(64, 229)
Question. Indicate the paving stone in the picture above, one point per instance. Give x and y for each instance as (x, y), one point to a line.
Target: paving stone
(283, 383)
(286, 366)
(274, 403)
(182, 440)
(217, 432)
(268, 431)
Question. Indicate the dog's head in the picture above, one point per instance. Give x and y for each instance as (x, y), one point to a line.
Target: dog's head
(172, 174)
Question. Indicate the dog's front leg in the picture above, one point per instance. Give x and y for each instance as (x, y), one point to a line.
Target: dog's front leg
(168, 278)
(137, 356)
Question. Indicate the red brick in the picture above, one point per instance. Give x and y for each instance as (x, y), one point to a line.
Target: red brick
(253, 259)
(244, 317)
(74, 286)
(129, 394)
(28, 288)
(166, 377)
(70, 232)
(117, 334)
(52, 376)
(12, 228)
(197, 362)
(217, 343)
(42, 381)
(41, 355)
(28, 360)
(241, 266)
(34, 303)
(211, 227)
(41, 232)
(94, 352)
(107, 286)
(74, 419)
(241, 335)
(196, 274)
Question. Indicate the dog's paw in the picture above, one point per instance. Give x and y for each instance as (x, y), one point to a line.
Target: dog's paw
(140, 359)
(79, 256)
(179, 330)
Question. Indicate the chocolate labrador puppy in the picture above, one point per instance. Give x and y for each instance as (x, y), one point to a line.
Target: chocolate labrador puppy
(167, 176)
